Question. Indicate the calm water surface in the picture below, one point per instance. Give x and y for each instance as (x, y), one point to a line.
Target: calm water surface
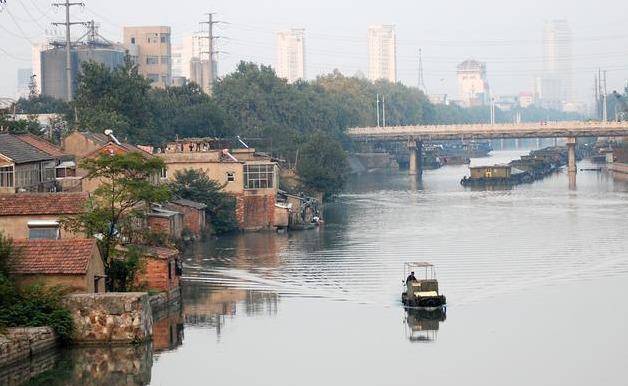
(535, 278)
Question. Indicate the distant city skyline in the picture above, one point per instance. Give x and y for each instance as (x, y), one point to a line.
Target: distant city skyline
(512, 48)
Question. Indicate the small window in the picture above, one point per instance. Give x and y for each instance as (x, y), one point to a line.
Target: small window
(163, 174)
(6, 177)
(165, 60)
(230, 176)
(152, 60)
(43, 230)
(132, 40)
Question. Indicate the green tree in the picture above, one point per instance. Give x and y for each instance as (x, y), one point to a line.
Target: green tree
(323, 164)
(126, 189)
(115, 99)
(197, 186)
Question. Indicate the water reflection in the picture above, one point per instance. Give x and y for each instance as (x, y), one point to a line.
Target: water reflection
(99, 366)
(168, 331)
(211, 307)
(422, 326)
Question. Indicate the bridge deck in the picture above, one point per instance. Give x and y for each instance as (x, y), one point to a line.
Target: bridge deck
(489, 131)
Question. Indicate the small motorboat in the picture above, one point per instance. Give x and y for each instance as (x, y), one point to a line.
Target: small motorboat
(422, 292)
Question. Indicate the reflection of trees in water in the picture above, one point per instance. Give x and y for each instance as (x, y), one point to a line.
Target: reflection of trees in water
(422, 325)
(210, 307)
(99, 366)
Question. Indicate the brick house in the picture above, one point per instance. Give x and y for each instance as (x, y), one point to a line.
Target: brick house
(23, 167)
(194, 220)
(75, 264)
(168, 222)
(162, 269)
(37, 215)
(251, 178)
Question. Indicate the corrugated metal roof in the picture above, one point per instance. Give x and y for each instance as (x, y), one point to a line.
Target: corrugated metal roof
(19, 151)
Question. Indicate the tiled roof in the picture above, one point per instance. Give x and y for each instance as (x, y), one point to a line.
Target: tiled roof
(161, 252)
(42, 203)
(98, 138)
(190, 203)
(52, 257)
(43, 145)
(19, 151)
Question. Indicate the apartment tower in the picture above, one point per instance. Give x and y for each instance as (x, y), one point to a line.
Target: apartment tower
(150, 48)
(382, 53)
(291, 54)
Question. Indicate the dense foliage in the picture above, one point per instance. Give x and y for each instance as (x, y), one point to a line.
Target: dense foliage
(118, 205)
(252, 102)
(323, 164)
(30, 306)
(197, 186)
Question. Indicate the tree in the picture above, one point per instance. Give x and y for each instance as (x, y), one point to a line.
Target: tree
(115, 99)
(126, 190)
(197, 186)
(323, 164)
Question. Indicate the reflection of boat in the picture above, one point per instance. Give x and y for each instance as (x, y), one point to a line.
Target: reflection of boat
(422, 293)
(423, 325)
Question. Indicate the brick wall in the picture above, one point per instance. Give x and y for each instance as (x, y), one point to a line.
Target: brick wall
(156, 275)
(193, 219)
(259, 211)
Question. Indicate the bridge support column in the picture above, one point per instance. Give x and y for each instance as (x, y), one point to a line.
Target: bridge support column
(571, 156)
(416, 157)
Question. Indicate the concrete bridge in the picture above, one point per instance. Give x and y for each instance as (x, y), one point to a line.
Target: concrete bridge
(415, 135)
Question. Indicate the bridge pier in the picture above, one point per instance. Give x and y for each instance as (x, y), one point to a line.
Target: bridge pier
(571, 156)
(416, 157)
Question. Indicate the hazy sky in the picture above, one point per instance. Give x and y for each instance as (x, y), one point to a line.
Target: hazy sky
(504, 34)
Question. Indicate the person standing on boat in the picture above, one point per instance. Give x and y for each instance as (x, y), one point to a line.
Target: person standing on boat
(411, 278)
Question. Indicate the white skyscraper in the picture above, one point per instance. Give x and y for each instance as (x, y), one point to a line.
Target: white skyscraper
(557, 80)
(291, 54)
(382, 53)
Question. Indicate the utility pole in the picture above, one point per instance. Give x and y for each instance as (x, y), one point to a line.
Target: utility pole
(596, 97)
(208, 84)
(377, 110)
(605, 99)
(68, 43)
(384, 110)
(421, 79)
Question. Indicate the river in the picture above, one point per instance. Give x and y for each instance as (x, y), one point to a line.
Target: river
(535, 278)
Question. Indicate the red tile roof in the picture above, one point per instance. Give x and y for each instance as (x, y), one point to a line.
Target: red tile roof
(42, 203)
(42, 144)
(52, 257)
(161, 252)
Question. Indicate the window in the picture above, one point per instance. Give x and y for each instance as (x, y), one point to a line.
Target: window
(6, 177)
(230, 176)
(164, 38)
(259, 176)
(152, 60)
(163, 173)
(43, 230)
(133, 40)
(165, 60)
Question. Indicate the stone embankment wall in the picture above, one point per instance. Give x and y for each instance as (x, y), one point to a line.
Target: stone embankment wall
(110, 318)
(18, 344)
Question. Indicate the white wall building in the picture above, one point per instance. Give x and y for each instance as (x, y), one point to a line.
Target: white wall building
(473, 88)
(382, 53)
(291, 54)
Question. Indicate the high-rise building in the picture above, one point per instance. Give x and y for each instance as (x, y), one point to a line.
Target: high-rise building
(473, 88)
(23, 81)
(556, 83)
(291, 54)
(382, 53)
(150, 48)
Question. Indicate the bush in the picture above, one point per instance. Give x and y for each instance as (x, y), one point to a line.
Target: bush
(32, 306)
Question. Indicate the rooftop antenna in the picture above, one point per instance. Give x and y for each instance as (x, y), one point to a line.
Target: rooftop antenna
(421, 79)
